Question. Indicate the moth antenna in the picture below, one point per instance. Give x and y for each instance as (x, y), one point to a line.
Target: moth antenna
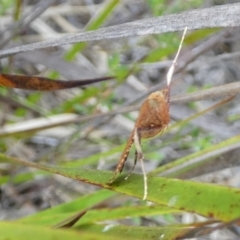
(171, 69)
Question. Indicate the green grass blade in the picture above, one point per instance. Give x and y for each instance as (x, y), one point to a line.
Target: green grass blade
(54, 218)
(94, 24)
(218, 202)
(140, 233)
(205, 154)
(28, 232)
(99, 215)
(58, 213)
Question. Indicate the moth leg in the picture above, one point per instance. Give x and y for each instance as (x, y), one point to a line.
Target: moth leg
(123, 158)
(134, 165)
(136, 157)
(137, 141)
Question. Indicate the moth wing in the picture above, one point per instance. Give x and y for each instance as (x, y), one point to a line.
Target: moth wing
(153, 113)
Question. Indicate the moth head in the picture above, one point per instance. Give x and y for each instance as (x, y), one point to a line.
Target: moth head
(162, 96)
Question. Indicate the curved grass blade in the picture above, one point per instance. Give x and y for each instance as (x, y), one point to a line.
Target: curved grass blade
(140, 233)
(94, 215)
(43, 84)
(10, 230)
(95, 23)
(58, 213)
(218, 202)
(218, 16)
(70, 221)
(172, 168)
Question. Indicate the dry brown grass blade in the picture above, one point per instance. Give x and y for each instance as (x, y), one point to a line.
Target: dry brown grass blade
(213, 93)
(43, 84)
(64, 119)
(218, 16)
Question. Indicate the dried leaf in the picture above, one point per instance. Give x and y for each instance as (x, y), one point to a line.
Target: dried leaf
(43, 84)
(226, 15)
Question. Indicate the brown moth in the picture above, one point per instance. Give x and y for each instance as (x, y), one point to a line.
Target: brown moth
(153, 118)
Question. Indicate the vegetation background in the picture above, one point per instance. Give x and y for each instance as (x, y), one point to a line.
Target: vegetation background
(80, 133)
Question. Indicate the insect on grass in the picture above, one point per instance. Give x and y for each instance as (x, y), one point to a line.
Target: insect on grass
(153, 118)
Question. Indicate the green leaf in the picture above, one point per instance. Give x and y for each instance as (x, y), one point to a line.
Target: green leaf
(203, 155)
(98, 215)
(198, 35)
(69, 105)
(20, 178)
(94, 24)
(201, 198)
(59, 213)
(50, 218)
(140, 233)
(10, 231)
